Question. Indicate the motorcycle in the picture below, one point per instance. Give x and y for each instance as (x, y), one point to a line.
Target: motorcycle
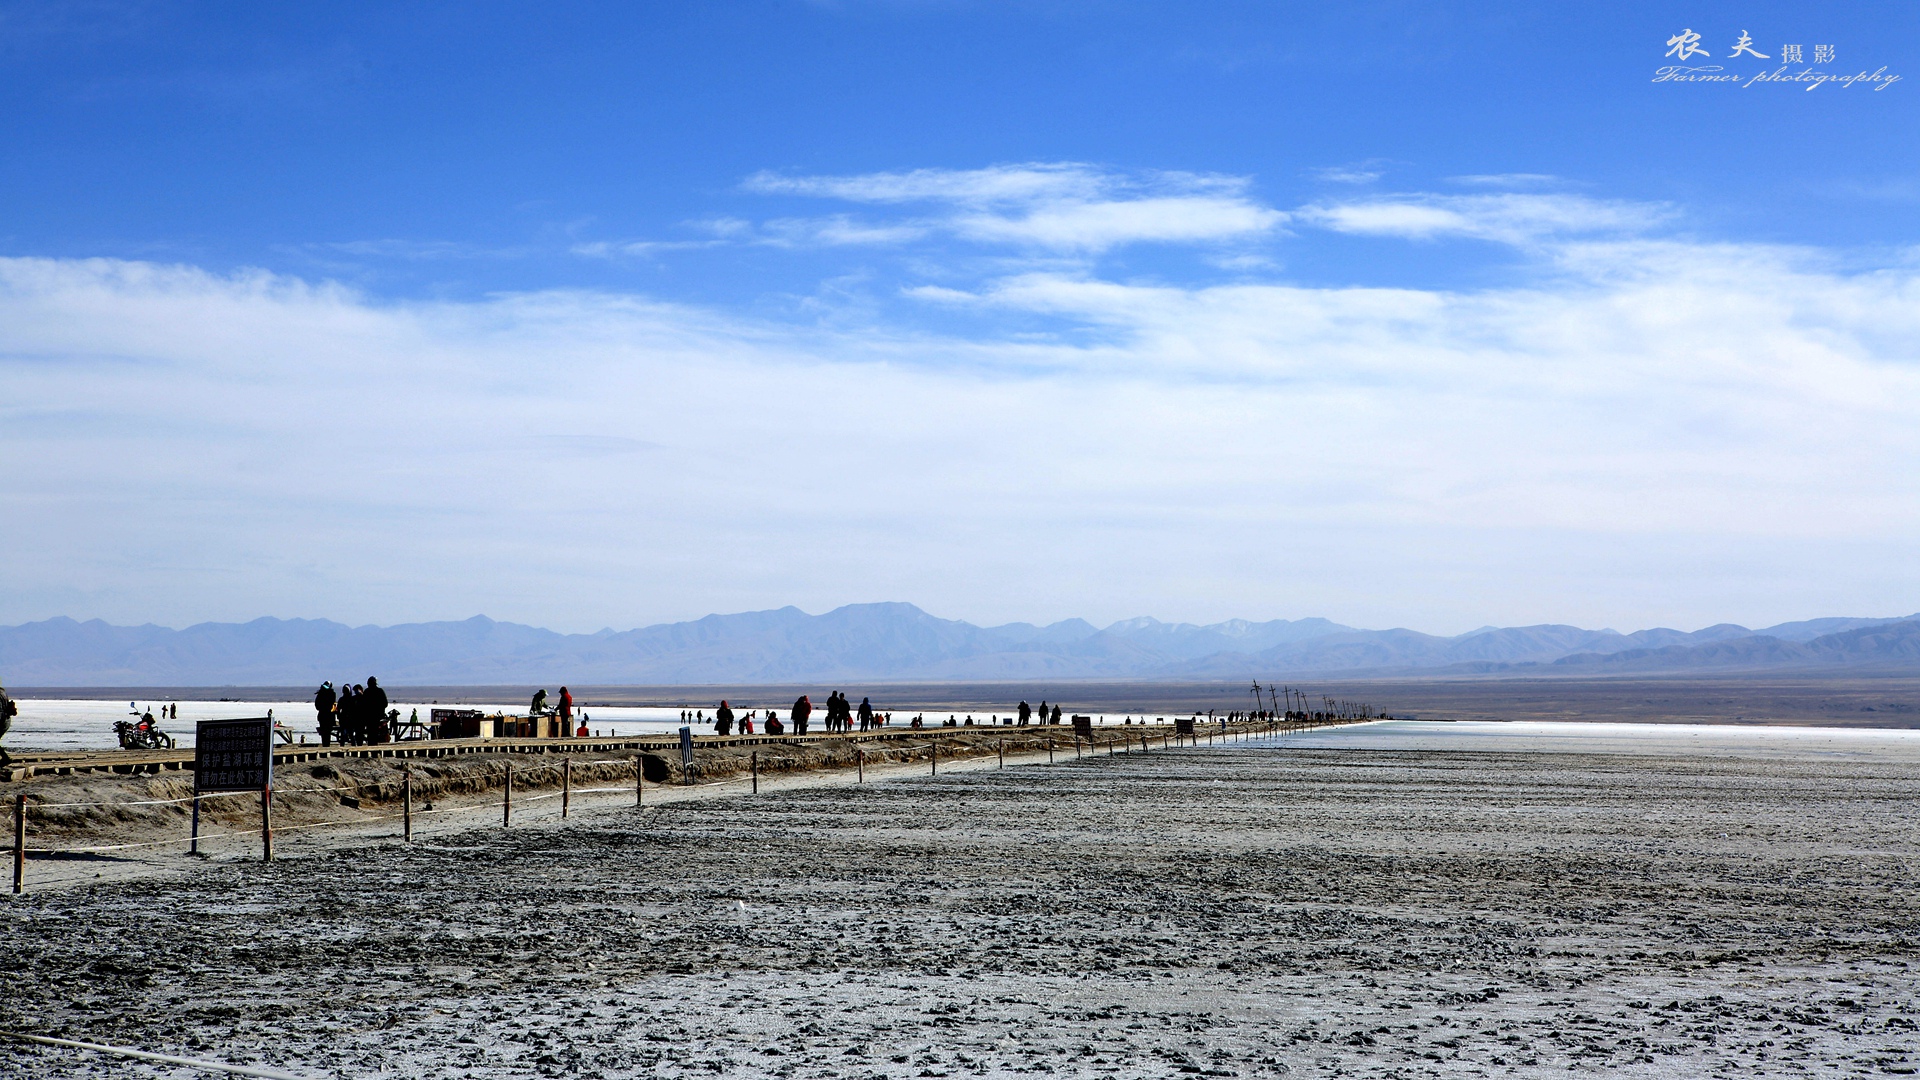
(141, 733)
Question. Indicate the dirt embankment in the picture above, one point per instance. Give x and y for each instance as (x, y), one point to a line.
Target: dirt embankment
(105, 808)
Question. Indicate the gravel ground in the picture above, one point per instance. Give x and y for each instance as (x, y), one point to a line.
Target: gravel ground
(1255, 909)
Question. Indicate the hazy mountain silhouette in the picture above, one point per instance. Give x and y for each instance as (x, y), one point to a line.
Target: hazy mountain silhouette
(898, 642)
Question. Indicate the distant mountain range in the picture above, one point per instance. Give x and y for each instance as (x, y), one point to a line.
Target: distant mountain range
(902, 642)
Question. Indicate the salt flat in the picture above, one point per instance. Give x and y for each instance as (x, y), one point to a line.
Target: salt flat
(1386, 900)
(1592, 737)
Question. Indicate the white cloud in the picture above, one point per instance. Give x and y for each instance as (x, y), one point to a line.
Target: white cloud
(1508, 180)
(1507, 218)
(1063, 207)
(838, 231)
(1677, 421)
(1344, 174)
(996, 185)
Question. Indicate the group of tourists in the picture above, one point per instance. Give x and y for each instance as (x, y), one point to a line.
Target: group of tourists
(842, 717)
(1028, 715)
(561, 710)
(840, 714)
(356, 714)
(724, 721)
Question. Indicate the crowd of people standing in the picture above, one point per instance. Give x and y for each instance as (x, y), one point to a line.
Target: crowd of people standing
(841, 717)
(357, 714)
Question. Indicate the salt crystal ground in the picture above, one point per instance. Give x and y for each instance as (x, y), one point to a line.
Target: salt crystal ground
(1391, 900)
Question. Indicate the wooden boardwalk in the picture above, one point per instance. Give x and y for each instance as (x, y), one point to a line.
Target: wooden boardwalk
(133, 762)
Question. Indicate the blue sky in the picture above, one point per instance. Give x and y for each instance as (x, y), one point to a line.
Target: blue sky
(1420, 314)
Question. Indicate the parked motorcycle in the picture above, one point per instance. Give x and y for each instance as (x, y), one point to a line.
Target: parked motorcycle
(141, 733)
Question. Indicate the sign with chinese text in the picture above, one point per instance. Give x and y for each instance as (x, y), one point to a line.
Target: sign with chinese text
(233, 755)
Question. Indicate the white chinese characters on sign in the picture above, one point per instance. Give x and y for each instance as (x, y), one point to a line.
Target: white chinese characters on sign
(1745, 45)
(1823, 54)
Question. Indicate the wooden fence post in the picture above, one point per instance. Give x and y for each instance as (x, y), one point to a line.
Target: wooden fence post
(406, 804)
(754, 764)
(19, 842)
(639, 780)
(1003, 753)
(566, 786)
(193, 838)
(266, 822)
(860, 765)
(506, 802)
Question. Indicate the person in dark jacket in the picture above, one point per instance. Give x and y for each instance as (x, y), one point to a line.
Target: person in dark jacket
(1026, 713)
(8, 710)
(866, 714)
(1056, 714)
(375, 700)
(723, 720)
(802, 709)
(323, 701)
(347, 712)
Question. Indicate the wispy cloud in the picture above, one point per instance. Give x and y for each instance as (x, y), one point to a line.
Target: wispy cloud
(1063, 207)
(420, 250)
(1514, 181)
(1512, 218)
(995, 185)
(1346, 174)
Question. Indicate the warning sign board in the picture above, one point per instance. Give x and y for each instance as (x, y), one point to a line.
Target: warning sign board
(233, 755)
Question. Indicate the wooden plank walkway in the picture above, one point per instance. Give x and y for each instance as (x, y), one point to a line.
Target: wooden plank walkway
(133, 762)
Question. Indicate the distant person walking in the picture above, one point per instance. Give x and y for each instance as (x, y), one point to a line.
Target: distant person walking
(566, 709)
(323, 700)
(802, 708)
(866, 714)
(723, 719)
(1026, 713)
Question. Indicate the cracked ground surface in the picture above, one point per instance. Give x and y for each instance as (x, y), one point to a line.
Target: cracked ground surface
(1294, 907)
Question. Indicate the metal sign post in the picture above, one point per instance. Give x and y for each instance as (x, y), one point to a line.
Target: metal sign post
(237, 755)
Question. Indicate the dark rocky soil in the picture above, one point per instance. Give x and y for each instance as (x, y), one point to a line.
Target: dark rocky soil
(1228, 911)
